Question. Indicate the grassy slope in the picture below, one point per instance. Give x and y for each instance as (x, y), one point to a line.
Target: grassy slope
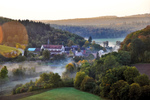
(63, 94)
(7, 48)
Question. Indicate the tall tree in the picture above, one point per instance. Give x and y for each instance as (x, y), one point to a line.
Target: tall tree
(90, 39)
(4, 72)
(46, 54)
(97, 56)
(137, 50)
(3, 75)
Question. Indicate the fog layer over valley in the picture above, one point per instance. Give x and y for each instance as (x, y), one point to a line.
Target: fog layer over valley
(32, 71)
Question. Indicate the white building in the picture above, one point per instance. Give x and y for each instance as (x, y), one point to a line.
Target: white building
(54, 49)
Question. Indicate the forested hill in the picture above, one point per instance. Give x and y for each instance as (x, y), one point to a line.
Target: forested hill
(103, 21)
(103, 27)
(39, 33)
(138, 44)
(95, 32)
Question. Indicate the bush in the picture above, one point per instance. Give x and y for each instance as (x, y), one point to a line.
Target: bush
(130, 73)
(142, 80)
(70, 68)
(134, 91)
(78, 79)
(116, 90)
(21, 58)
(145, 95)
(78, 58)
(68, 82)
(47, 86)
(88, 84)
(18, 90)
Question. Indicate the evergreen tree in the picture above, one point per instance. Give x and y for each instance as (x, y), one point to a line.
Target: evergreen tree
(90, 39)
(97, 56)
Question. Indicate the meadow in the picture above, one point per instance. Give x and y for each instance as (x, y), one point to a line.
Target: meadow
(67, 93)
(6, 49)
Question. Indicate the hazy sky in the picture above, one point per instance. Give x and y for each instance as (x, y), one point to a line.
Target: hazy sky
(68, 9)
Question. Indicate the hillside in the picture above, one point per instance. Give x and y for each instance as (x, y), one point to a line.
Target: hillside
(95, 32)
(102, 27)
(39, 33)
(105, 20)
(64, 94)
(137, 43)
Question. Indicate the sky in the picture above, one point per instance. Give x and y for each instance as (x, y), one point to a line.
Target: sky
(70, 9)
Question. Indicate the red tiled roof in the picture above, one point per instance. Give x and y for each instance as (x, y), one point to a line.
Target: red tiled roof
(53, 46)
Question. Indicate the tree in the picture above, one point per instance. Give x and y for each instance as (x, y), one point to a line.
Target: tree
(90, 39)
(97, 56)
(70, 68)
(116, 90)
(3, 73)
(88, 84)
(145, 95)
(142, 80)
(55, 79)
(130, 73)
(124, 57)
(79, 50)
(86, 44)
(134, 91)
(78, 79)
(71, 53)
(44, 77)
(137, 50)
(147, 56)
(70, 43)
(26, 52)
(46, 54)
(110, 62)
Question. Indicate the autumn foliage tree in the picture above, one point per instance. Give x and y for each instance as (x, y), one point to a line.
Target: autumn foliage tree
(70, 67)
(137, 43)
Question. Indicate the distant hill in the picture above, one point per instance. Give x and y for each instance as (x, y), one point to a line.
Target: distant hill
(39, 33)
(102, 27)
(105, 20)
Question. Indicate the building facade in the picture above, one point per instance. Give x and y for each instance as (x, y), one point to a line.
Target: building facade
(54, 49)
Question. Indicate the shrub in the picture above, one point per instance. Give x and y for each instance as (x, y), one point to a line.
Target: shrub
(134, 91)
(142, 80)
(88, 84)
(145, 95)
(78, 79)
(70, 68)
(116, 90)
(130, 73)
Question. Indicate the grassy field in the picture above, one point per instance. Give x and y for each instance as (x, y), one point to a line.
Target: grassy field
(63, 94)
(143, 68)
(6, 49)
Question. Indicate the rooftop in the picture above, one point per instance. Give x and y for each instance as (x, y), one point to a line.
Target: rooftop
(53, 46)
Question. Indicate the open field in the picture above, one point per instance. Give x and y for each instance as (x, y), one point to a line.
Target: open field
(144, 68)
(63, 94)
(6, 49)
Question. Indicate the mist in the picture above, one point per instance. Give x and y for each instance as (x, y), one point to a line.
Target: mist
(40, 67)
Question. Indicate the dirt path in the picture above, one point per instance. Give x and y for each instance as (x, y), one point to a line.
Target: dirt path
(143, 68)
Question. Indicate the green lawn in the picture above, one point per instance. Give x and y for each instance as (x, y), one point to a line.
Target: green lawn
(63, 94)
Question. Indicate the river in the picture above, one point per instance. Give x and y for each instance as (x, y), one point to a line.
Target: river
(112, 41)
